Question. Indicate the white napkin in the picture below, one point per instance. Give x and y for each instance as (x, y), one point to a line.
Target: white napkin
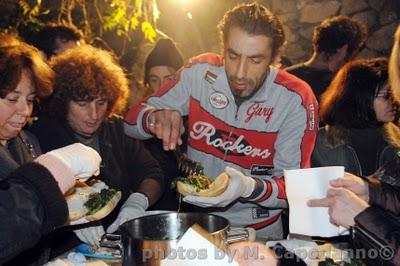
(303, 185)
(194, 249)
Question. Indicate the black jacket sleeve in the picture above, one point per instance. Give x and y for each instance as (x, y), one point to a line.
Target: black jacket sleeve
(379, 230)
(31, 205)
(385, 196)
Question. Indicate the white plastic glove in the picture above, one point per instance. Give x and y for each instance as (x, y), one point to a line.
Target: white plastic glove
(90, 235)
(84, 161)
(133, 207)
(239, 186)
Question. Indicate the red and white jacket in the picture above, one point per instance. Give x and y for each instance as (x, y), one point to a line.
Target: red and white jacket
(272, 131)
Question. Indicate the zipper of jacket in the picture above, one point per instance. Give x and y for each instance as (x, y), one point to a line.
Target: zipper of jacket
(357, 229)
(231, 131)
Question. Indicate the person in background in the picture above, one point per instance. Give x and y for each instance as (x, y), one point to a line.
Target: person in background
(90, 89)
(55, 38)
(369, 207)
(335, 41)
(355, 108)
(160, 66)
(25, 78)
(245, 117)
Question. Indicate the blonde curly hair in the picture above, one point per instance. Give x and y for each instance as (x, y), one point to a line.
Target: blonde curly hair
(85, 73)
(393, 129)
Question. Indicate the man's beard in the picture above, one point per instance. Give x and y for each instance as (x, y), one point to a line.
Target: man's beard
(241, 93)
(246, 94)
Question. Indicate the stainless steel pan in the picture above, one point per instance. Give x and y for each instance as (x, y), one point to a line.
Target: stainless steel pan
(149, 239)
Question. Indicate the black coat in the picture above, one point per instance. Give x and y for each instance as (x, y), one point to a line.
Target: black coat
(43, 209)
(378, 227)
(19, 151)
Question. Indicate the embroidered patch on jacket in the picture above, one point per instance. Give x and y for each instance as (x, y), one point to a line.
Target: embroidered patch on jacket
(258, 110)
(210, 77)
(258, 213)
(311, 111)
(257, 169)
(218, 100)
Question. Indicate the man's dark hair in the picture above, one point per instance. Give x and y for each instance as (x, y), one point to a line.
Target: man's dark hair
(47, 36)
(348, 101)
(335, 32)
(254, 19)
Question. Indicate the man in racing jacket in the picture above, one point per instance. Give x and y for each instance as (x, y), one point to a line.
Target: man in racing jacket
(244, 116)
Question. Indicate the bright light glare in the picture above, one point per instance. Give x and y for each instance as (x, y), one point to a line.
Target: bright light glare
(156, 12)
(185, 2)
(189, 15)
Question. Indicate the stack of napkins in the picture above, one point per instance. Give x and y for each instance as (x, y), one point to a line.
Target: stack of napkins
(194, 249)
(303, 185)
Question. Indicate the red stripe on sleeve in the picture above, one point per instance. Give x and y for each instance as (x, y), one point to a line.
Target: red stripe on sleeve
(280, 181)
(310, 103)
(207, 58)
(131, 116)
(144, 120)
(265, 223)
(267, 193)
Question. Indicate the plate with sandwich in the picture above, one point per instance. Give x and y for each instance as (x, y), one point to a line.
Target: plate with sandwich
(91, 201)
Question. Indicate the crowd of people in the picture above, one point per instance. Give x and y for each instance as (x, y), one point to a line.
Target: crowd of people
(236, 112)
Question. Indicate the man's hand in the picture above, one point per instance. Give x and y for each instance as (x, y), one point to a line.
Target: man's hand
(166, 125)
(239, 186)
(343, 206)
(353, 183)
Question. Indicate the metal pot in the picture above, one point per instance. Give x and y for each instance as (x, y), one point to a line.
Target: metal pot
(149, 239)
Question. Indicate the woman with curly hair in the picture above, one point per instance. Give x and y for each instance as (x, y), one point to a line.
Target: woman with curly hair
(25, 78)
(90, 89)
(355, 108)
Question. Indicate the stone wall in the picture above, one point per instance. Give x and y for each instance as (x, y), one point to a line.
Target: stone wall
(301, 16)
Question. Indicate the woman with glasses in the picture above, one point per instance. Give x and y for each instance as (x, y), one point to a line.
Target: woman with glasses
(355, 108)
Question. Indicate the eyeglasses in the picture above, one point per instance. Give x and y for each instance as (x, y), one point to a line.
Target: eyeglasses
(383, 94)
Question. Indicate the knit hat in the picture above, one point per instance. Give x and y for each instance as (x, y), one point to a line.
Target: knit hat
(164, 53)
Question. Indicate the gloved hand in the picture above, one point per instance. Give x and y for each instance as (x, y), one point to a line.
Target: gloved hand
(90, 235)
(239, 186)
(81, 159)
(133, 207)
